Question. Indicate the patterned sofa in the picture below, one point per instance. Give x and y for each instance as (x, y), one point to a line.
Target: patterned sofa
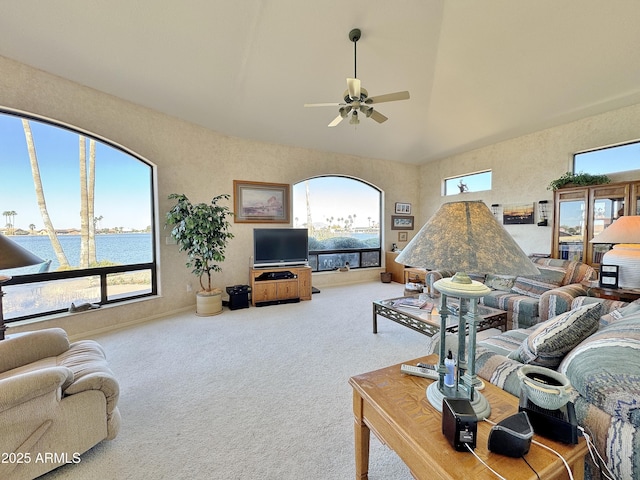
(529, 300)
(597, 346)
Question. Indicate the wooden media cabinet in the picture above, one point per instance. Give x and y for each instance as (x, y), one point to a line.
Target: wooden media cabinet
(279, 290)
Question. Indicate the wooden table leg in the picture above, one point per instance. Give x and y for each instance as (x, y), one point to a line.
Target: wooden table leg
(362, 435)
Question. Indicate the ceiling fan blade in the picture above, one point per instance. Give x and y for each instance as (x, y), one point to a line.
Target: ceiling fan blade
(336, 121)
(377, 116)
(334, 104)
(353, 85)
(389, 97)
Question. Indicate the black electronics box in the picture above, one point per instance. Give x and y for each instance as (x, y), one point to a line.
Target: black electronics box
(459, 423)
(238, 296)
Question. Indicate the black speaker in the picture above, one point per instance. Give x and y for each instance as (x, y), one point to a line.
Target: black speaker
(238, 296)
(512, 436)
(459, 423)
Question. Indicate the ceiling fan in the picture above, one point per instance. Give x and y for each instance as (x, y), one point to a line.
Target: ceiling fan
(356, 98)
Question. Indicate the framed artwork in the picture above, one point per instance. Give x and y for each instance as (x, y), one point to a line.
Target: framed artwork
(609, 276)
(403, 236)
(403, 208)
(259, 202)
(518, 214)
(401, 222)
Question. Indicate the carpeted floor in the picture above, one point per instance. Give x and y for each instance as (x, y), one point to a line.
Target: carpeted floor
(257, 393)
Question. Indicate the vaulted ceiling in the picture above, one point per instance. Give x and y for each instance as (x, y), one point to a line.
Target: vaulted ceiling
(478, 71)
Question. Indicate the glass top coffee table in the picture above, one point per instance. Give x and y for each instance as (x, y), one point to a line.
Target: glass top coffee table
(426, 320)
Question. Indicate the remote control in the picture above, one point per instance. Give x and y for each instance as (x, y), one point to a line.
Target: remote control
(420, 372)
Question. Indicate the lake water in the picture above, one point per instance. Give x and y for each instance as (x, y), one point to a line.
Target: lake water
(126, 248)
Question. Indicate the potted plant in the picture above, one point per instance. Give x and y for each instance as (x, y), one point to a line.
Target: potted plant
(202, 230)
(577, 179)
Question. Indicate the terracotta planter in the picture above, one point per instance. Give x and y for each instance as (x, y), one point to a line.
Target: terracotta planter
(208, 303)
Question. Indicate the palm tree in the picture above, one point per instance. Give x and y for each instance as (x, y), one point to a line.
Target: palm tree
(87, 193)
(32, 227)
(7, 220)
(35, 171)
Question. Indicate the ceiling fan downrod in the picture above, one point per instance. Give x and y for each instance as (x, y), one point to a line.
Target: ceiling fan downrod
(354, 36)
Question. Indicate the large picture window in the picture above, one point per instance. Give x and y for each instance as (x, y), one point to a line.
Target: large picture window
(343, 218)
(81, 204)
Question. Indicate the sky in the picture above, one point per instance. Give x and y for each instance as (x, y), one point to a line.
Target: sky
(336, 197)
(621, 158)
(122, 189)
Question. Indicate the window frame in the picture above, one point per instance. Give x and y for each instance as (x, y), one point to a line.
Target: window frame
(101, 272)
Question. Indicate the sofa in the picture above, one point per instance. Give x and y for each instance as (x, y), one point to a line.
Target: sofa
(596, 344)
(57, 400)
(530, 299)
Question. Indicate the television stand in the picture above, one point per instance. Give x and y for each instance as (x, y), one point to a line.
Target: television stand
(267, 291)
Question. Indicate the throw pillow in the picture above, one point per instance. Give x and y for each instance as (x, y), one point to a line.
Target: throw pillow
(547, 345)
(536, 285)
(500, 282)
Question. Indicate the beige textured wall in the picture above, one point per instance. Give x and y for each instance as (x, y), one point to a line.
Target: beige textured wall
(195, 161)
(202, 163)
(523, 167)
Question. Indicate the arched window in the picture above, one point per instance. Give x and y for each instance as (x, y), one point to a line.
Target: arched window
(342, 215)
(85, 207)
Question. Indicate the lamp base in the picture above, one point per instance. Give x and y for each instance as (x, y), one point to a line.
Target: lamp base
(627, 257)
(479, 403)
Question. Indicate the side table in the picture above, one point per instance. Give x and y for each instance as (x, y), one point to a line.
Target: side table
(625, 294)
(394, 406)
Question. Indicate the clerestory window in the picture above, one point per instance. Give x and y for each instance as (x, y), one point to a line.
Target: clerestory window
(614, 159)
(342, 215)
(85, 207)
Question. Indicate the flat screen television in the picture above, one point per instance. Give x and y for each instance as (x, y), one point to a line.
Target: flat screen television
(280, 247)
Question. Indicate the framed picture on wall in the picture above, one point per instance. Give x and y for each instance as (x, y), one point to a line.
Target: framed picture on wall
(403, 208)
(401, 222)
(259, 202)
(403, 236)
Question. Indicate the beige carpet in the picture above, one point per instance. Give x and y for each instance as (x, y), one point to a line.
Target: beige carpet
(258, 393)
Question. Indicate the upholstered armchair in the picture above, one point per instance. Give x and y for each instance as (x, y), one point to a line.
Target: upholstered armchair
(57, 400)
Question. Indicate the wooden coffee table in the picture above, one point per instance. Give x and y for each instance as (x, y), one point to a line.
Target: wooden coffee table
(395, 408)
(424, 322)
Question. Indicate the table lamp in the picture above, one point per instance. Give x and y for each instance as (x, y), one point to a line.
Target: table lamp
(466, 238)
(625, 233)
(12, 255)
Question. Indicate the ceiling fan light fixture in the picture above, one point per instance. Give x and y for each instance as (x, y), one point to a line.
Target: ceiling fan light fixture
(355, 97)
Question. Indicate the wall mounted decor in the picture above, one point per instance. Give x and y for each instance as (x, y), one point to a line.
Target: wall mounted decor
(259, 202)
(543, 213)
(403, 236)
(517, 214)
(403, 208)
(401, 222)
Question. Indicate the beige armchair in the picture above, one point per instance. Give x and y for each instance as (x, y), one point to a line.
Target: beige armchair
(57, 400)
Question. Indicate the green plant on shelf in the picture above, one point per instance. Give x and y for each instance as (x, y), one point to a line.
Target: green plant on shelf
(579, 179)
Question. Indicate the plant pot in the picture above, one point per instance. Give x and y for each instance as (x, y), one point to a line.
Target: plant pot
(208, 303)
(385, 277)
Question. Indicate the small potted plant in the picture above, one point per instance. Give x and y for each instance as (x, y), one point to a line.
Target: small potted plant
(202, 230)
(577, 180)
